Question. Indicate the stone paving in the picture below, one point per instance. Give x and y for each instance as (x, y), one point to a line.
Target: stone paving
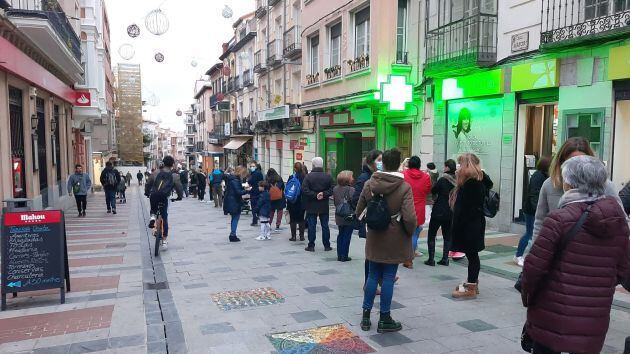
(205, 295)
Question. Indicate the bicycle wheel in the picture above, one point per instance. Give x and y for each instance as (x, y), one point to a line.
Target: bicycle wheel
(158, 236)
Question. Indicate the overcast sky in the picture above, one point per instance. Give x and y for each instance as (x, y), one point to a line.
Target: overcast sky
(197, 30)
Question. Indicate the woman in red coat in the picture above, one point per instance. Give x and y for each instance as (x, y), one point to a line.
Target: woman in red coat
(568, 284)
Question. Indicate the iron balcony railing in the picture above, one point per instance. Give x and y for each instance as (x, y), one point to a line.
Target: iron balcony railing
(260, 61)
(292, 42)
(261, 8)
(242, 126)
(358, 63)
(230, 85)
(237, 83)
(565, 22)
(469, 41)
(401, 57)
(247, 78)
(48, 10)
(274, 53)
(273, 2)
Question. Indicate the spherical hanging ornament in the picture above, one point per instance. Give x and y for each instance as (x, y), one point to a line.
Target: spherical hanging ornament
(193, 63)
(179, 113)
(133, 30)
(227, 12)
(126, 51)
(159, 57)
(156, 22)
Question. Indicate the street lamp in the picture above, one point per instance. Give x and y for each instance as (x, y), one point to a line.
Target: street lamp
(34, 123)
(53, 125)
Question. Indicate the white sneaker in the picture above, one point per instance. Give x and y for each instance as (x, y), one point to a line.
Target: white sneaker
(164, 245)
(261, 238)
(267, 237)
(519, 261)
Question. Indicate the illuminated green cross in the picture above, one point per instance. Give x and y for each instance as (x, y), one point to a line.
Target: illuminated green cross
(396, 92)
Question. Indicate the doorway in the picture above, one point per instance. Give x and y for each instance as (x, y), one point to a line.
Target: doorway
(621, 146)
(537, 137)
(403, 140)
(351, 146)
(41, 150)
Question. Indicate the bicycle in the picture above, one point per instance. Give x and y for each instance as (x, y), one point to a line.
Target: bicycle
(159, 228)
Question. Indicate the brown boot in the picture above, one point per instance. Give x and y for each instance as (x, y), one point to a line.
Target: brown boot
(408, 264)
(466, 291)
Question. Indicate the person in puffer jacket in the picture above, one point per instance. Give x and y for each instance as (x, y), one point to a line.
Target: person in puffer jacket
(568, 289)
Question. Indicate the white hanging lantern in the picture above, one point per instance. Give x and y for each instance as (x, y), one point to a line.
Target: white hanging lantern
(227, 12)
(126, 51)
(193, 63)
(156, 22)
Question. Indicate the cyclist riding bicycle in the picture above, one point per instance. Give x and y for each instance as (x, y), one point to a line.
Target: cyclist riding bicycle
(158, 188)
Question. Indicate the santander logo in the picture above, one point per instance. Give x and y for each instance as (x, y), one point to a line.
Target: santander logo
(83, 100)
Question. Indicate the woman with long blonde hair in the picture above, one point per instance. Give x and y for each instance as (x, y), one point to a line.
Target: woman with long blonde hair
(469, 221)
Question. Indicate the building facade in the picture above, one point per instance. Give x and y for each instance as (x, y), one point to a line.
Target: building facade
(39, 139)
(129, 114)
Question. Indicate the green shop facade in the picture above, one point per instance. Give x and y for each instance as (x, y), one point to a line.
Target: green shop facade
(512, 114)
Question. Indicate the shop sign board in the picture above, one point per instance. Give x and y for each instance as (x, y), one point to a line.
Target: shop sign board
(484, 83)
(619, 63)
(535, 75)
(520, 42)
(280, 112)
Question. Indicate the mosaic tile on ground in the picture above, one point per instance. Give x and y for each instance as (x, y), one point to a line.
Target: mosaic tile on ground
(327, 339)
(240, 299)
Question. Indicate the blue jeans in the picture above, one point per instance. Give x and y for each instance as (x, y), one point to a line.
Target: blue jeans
(527, 236)
(110, 199)
(234, 223)
(311, 219)
(387, 272)
(343, 241)
(415, 237)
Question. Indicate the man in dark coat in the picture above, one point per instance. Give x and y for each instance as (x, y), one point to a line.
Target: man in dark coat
(317, 190)
(254, 177)
(110, 178)
(183, 177)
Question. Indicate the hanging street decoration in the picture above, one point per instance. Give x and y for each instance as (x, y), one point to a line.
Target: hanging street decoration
(126, 51)
(179, 113)
(159, 57)
(227, 12)
(156, 22)
(133, 30)
(193, 63)
(396, 92)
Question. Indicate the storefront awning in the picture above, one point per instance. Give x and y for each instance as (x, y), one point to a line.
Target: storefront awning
(236, 143)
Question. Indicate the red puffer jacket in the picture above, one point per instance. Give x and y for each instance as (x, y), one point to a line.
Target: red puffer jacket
(420, 183)
(569, 298)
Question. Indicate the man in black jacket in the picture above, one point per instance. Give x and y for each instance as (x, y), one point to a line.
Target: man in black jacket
(317, 189)
(254, 177)
(110, 178)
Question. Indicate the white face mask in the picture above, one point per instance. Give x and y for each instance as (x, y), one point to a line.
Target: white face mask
(253, 169)
(379, 165)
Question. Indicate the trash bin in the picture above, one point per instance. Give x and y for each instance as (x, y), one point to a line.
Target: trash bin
(17, 204)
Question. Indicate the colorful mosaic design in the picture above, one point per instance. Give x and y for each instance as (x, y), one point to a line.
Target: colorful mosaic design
(328, 339)
(239, 299)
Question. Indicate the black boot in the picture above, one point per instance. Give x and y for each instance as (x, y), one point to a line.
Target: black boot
(444, 261)
(366, 324)
(387, 324)
(430, 262)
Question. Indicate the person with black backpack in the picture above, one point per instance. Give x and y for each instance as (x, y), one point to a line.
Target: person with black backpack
(110, 178)
(386, 206)
(159, 188)
(183, 178)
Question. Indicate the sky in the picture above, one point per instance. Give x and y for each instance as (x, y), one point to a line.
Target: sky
(196, 32)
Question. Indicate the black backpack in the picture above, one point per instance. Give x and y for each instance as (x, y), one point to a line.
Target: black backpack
(377, 215)
(110, 179)
(491, 203)
(163, 185)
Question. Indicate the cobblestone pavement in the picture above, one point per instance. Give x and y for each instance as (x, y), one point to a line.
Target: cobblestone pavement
(205, 295)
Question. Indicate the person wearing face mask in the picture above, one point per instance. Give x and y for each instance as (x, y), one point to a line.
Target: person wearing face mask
(255, 176)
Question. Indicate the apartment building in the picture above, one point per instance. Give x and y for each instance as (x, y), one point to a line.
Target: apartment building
(205, 150)
(128, 84)
(189, 139)
(220, 114)
(39, 139)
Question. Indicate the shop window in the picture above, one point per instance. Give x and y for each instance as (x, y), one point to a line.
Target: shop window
(587, 125)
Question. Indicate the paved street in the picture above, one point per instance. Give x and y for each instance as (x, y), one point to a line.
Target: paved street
(205, 295)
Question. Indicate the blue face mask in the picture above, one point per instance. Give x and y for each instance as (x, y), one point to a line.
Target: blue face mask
(379, 165)
(253, 169)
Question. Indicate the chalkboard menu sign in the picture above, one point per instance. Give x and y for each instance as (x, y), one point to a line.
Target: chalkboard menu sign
(34, 252)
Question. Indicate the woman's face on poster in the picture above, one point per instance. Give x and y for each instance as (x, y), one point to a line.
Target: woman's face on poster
(466, 124)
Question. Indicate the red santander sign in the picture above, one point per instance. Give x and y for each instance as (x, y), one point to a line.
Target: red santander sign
(82, 99)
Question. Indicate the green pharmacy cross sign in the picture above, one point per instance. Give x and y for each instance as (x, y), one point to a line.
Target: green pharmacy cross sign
(396, 92)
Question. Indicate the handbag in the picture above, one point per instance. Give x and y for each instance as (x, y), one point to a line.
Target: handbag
(344, 209)
(527, 343)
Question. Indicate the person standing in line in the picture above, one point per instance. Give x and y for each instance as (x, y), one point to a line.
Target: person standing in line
(276, 193)
(441, 213)
(233, 203)
(110, 178)
(530, 201)
(317, 190)
(265, 210)
(420, 183)
(373, 162)
(580, 255)
(469, 221)
(193, 182)
(79, 184)
(139, 176)
(216, 178)
(128, 178)
(552, 191)
(254, 178)
(122, 188)
(624, 195)
(435, 175)
(386, 249)
(342, 193)
(183, 177)
(201, 184)
(295, 205)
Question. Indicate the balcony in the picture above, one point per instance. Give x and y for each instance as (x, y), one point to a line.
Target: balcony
(292, 43)
(582, 20)
(218, 133)
(274, 53)
(45, 23)
(260, 62)
(312, 79)
(213, 101)
(261, 8)
(358, 64)
(248, 80)
(273, 2)
(401, 57)
(242, 126)
(230, 85)
(471, 41)
(332, 72)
